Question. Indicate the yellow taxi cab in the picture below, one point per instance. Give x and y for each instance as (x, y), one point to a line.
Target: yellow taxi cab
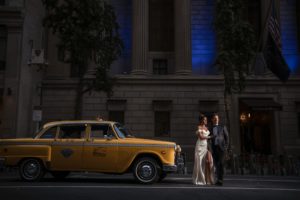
(62, 147)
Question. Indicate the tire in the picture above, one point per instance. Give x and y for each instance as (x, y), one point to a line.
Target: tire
(31, 170)
(146, 170)
(59, 174)
(162, 176)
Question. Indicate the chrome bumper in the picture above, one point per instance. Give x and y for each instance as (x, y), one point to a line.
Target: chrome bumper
(180, 162)
(169, 168)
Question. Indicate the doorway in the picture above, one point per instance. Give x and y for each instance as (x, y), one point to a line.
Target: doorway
(257, 128)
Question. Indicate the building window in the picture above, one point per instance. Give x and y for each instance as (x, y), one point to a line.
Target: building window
(161, 25)
(162, 112)
(162, 123)
(117, 116)
(3, 43)
(116, 110)
(160, 66)
(253, 15)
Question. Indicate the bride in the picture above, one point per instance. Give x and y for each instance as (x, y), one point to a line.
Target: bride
(203, 167)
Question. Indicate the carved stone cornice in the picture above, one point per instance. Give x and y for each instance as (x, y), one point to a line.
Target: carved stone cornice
(205, 80)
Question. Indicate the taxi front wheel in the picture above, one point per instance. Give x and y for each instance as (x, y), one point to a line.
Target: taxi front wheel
(146, 170)
(31, 170)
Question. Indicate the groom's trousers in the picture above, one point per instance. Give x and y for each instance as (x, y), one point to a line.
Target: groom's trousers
(219, 161)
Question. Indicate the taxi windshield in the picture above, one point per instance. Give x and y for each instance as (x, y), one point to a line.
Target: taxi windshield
(122, 131)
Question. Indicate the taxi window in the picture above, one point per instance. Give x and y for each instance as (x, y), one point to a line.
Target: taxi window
(50, 133)
(72, 132)
(101, 131)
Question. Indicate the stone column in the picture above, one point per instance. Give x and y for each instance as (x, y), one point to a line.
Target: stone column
(11, 81)
(140, 37)
(183, 59)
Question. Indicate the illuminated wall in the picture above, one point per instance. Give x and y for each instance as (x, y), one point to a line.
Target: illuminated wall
(289, 35)
(123, 10)
(203, 37)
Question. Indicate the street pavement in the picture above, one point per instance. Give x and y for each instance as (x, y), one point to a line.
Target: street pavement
(86, 186)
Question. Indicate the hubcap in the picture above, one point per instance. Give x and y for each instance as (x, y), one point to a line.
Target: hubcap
(31, 169)
(146, 171)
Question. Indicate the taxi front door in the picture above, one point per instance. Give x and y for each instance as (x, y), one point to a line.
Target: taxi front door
(101, 149)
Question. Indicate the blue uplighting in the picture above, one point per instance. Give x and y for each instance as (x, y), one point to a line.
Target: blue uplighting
(123, 10)
(289, 35)
(203, 37)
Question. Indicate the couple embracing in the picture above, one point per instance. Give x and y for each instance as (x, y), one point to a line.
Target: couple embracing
(210, 152)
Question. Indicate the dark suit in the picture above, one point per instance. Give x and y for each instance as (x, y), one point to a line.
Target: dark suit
(219, 145)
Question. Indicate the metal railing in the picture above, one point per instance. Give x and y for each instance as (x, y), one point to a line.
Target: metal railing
(258, 164)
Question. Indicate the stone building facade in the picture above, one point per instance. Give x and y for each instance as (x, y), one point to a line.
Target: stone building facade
(165, 76)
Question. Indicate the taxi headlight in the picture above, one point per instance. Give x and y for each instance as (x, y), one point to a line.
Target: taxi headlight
(177, 149)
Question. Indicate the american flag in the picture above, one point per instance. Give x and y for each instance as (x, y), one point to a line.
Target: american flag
(272, 51)
(273, 26)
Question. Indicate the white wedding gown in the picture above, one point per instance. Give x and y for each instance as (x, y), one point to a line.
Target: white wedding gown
(200, 159)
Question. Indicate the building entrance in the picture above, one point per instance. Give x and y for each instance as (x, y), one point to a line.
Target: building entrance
(257, 126)
(256, 134)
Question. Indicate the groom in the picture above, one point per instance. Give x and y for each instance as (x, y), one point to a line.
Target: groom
(219, 146)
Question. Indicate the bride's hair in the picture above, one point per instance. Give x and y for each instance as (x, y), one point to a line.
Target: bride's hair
(201, 118)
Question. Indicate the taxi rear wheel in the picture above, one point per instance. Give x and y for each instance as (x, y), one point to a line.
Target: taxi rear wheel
(59, 174)
(31, 170)
(146, 170)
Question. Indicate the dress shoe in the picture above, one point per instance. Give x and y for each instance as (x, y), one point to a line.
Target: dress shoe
(219, 183)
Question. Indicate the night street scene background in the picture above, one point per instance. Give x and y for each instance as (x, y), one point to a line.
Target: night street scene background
(155, 66)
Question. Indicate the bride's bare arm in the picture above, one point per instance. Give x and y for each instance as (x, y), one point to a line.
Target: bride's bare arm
(201, 136)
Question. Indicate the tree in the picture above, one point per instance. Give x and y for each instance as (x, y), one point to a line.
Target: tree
(236, 47)
(87, 32)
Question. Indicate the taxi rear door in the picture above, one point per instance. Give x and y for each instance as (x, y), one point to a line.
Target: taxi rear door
(66, 150)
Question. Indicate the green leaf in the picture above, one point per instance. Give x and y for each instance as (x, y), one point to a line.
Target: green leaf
(88, 30)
